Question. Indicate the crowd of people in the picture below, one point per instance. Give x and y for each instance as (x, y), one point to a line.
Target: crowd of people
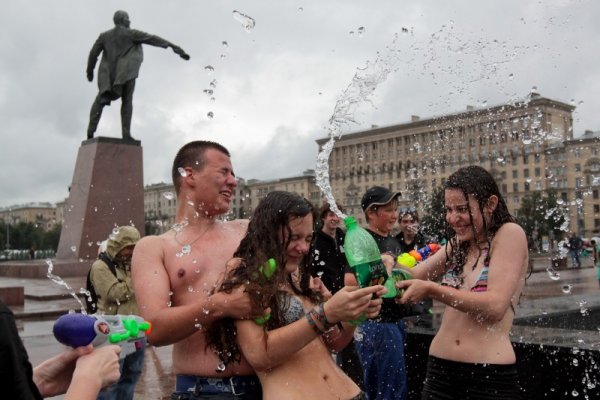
(269, 308)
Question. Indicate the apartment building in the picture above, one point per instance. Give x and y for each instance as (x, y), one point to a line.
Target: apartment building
(526, 145)
(39, 214)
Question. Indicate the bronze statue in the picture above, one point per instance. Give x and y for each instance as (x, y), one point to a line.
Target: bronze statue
(121, 61)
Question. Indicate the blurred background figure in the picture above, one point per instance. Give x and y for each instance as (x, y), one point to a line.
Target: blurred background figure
(328, 262)
(110, 276)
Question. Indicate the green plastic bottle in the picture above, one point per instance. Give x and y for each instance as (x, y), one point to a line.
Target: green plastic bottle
(364, 258)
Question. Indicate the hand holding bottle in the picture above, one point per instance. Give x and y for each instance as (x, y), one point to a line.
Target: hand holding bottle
(351, 302)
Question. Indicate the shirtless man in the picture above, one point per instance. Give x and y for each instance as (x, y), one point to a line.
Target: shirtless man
(174, 274)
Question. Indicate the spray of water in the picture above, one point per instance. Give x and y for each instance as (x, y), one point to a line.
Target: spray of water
(359, 91)
(60, 281)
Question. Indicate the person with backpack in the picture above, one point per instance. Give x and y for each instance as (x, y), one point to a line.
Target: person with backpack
(110, 280)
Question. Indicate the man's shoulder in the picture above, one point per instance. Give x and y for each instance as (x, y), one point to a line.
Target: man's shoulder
(236, 225)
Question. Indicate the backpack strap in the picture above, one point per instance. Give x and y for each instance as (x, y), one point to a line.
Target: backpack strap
(108, 261)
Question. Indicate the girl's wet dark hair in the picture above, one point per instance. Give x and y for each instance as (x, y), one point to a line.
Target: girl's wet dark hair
(477, 181)
(268, 236)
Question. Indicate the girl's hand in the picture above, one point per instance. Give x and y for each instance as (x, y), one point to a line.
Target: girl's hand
(351, 302)
(317, 285)
(415, 290)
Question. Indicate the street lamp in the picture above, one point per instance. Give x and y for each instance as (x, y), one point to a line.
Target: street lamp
(7, 221)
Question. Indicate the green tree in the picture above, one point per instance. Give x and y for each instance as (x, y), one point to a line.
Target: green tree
(542, 215)
(433, 223)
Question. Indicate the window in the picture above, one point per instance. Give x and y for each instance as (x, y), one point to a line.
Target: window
(515, 187)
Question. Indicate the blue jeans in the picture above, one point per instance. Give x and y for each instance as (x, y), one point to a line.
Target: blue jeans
(381, 353)
(575, 258)
(131, 369)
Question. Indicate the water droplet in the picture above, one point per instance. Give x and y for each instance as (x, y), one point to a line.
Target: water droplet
(182, 172)
(351, 33)
(320, 274)
(208, 92)
(169, 303)
(210, 69)
(210, 114)
(73, 249)
(560, 201)
(224, 43)
(213, 83)
(358, 335)
(168, 195)
(575, 393)
(220, 367)
(566, 289)
(187, 249)
(205, 311)
(198, 325)
(553, 274)
(95, 209)
(191, 289)
(247, 22)
(361, 31)
(115, 231)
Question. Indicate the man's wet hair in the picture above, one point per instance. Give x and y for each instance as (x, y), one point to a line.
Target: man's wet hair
(192, 155)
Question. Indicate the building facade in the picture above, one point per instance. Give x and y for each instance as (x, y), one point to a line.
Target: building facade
(40, 214)
(528, 146)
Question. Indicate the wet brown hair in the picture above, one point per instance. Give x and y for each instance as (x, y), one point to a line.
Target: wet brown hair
(268, 236)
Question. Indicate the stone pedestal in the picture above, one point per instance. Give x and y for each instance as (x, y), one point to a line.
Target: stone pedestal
(107, 191)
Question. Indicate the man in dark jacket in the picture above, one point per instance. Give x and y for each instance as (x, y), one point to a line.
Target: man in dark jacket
(122, 58)
(329, 263)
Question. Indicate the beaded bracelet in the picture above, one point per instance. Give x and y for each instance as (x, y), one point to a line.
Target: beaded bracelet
(322, 318)
(310, 317)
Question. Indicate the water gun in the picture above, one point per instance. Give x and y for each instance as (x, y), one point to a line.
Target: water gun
(128, 331)
(413, 257)
(267, 269)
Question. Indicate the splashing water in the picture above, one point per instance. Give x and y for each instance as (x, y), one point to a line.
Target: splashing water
(566, 289)
(220, 367)
(247, 22)
(59, 281)
(553, 274)
(364, 82)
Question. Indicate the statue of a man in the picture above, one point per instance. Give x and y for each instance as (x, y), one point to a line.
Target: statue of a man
(122, 57)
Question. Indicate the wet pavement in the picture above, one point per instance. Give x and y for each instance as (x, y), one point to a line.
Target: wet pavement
(45, 301)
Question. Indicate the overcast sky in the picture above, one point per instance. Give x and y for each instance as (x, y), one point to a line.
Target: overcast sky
(275, 86)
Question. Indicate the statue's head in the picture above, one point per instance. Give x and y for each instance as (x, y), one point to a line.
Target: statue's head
(121, 18)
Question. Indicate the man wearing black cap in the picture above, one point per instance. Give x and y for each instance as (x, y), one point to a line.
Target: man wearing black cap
(382, 349)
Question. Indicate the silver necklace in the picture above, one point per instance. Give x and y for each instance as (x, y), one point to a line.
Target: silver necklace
(187, 247)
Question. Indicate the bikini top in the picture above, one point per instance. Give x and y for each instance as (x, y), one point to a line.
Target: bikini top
(294, 310)
(453, 279)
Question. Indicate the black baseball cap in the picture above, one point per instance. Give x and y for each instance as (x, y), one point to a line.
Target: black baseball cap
(377, 196)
